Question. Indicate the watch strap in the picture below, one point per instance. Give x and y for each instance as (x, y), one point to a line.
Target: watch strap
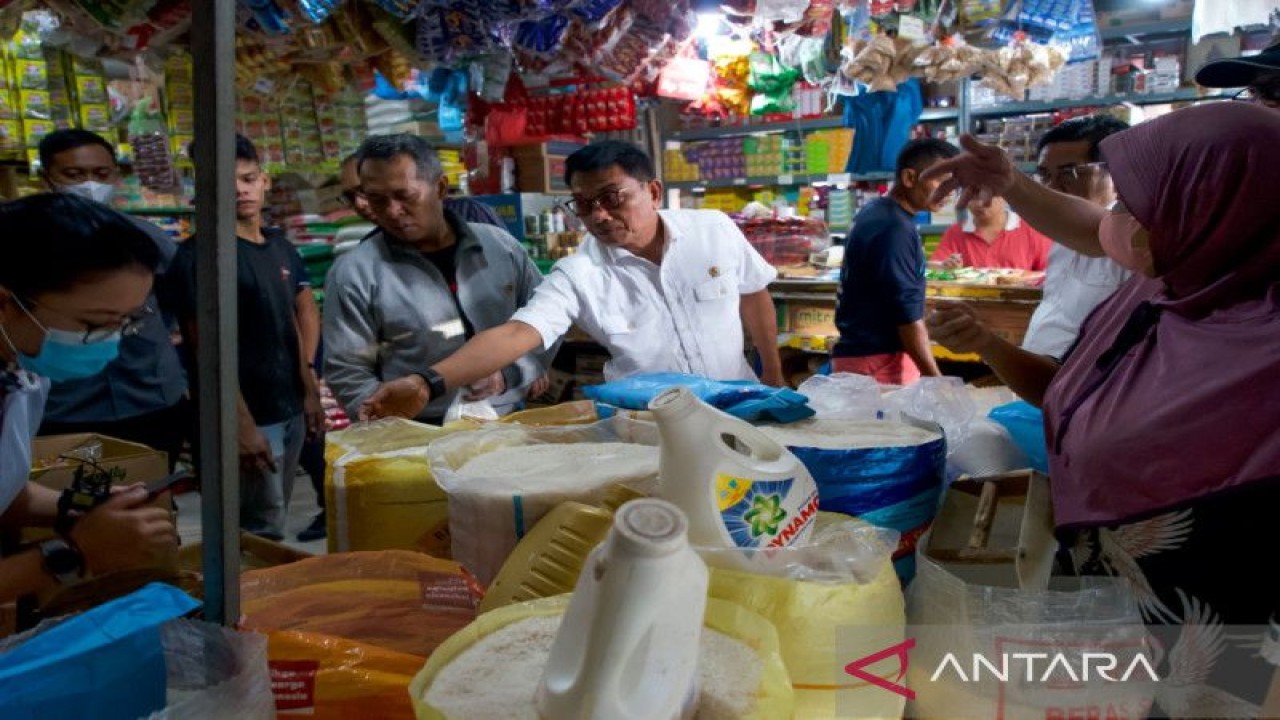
(435, 383)
(62, 560)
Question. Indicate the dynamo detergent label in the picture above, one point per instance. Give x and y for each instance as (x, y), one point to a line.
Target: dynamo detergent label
(764, 513)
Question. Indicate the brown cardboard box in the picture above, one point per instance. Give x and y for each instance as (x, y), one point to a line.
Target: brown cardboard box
(137, 463)
(812, 318)
(540, 173)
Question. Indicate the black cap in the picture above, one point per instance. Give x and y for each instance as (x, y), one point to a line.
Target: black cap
(1239, 71)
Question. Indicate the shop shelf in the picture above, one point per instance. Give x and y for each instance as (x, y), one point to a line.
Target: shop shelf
(159, 210)
(778, 180)
(1029, 108)
(1158, 27)
(820, 123)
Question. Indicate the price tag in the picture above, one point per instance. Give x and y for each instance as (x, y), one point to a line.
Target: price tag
(911, 27)
(739, 181)
(786, 179)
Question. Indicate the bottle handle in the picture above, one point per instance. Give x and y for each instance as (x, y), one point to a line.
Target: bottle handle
(759, 446)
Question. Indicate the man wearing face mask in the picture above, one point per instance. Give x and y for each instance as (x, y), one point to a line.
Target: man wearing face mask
(661, 290)
(139, 396)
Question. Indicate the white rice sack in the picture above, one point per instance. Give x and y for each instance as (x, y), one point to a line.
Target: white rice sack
(502, 480)
(497, 678)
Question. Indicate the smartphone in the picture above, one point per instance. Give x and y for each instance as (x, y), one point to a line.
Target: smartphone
(155, 487)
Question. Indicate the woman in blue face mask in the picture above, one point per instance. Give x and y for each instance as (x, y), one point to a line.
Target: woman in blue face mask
(74, 279)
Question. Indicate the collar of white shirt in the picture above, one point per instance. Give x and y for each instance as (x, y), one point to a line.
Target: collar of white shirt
(618, 255)
(1010, 223)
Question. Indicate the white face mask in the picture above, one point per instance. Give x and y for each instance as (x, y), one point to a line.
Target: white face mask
(92, 190)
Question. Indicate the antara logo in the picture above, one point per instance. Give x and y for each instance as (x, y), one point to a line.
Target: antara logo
(1034, 667)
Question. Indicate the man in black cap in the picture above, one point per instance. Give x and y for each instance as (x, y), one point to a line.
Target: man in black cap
(1258, 74)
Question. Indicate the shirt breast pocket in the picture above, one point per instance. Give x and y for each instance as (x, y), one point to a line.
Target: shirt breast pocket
(713, 290)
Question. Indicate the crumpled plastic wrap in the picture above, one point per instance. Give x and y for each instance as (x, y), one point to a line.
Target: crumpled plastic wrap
(840, 583)
(775, 698)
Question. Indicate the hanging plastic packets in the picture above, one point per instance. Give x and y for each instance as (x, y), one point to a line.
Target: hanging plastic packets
(152, 162)
(269, 16)
(594, 13)
(772, 82)
(402, 9)
(542, 37)
(317, 11)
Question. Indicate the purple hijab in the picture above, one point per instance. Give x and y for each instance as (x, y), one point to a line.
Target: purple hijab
(1173, 391)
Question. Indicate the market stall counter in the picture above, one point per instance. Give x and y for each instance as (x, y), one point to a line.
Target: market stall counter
(807, 309)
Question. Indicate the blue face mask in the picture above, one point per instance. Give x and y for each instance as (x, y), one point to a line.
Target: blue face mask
(65, 356)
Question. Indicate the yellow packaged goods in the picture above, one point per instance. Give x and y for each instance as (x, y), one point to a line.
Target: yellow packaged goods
(501, 479)
(380, 489)
(832, 602)
(329, 678)
(394, 599)
(741, 675)
(548, 560)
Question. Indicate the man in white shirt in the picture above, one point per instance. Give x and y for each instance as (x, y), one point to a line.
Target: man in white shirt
(661, 290)
(1074, 284)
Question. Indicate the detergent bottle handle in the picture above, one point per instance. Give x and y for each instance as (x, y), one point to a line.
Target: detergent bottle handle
(761, 446)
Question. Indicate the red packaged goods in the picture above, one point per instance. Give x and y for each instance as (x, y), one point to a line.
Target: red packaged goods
(786, 241)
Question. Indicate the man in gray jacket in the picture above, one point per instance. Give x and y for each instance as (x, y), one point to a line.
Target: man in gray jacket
(415, 291)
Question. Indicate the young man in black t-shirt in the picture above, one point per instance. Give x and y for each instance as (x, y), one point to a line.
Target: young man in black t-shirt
(278, 330)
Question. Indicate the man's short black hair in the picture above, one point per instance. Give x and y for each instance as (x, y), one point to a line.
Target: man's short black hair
(1093, 128)
(60, 141)
(635, 162)
(246, 150)
(920, 153)
(390, 147)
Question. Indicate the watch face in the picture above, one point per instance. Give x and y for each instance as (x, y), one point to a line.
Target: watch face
(61, 559)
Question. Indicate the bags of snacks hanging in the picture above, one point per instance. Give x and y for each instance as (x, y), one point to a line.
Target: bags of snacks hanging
(152, 161)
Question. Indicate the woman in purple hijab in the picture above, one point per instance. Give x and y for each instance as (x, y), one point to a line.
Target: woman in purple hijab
(1163, 423)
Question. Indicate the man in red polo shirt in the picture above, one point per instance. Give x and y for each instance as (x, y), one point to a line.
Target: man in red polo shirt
(993, 237)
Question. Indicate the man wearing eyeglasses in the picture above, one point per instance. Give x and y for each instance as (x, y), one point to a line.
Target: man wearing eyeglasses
(1258, 74)
(417, 290)
(661, 290)
(140, 395)
(1074, 283)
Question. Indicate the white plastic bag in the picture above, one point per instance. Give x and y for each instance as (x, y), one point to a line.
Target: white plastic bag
(844, 396)
(488, 515)
(213, 672)
(943, 400)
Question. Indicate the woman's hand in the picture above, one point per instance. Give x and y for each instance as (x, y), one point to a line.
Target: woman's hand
(981, 172)
(955, 326)
(125, 532)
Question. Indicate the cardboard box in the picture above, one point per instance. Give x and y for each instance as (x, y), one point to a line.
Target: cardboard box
(132, 463)
(812, 318)
(540, 173)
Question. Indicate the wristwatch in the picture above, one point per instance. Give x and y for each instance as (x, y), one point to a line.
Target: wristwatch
(435, 383)
(62, 560)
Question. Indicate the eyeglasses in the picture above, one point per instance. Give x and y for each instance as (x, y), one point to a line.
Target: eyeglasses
(127, 326)
(1067, 173)
(609, 200)
(349, 197)
(1267, 94)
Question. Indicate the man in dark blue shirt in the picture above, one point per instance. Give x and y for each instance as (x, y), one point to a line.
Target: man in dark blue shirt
(880, 304)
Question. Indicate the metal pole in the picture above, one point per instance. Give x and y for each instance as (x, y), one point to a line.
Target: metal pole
(213, 53)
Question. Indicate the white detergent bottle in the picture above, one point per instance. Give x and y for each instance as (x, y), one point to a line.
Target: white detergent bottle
(627, 648)
(739, 488)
